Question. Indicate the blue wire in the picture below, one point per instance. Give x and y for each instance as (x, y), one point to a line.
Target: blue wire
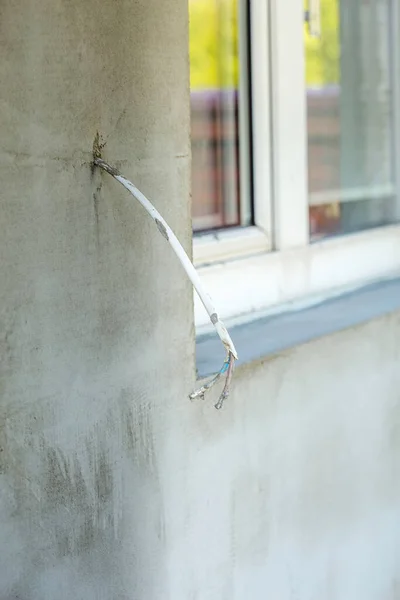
(225, 367)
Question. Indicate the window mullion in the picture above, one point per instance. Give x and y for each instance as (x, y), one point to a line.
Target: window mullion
(244, 114)
(289, 127)
(261, 115)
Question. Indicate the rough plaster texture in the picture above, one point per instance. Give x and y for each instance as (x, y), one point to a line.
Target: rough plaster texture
(113, 485)
(297, 480)
(95, 312)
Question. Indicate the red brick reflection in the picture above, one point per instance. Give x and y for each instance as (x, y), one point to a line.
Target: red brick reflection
(215, 159)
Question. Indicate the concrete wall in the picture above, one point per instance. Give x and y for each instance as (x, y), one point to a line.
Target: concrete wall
(297, 480)
(95, 313)
(112, 484)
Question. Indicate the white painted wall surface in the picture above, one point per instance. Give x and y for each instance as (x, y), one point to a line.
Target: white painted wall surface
(112, 484)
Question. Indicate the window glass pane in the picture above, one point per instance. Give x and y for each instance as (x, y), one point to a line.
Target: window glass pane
(214, 81)
(350, 118)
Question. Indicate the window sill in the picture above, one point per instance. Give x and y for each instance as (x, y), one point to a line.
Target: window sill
(266, 283)
(269, 335)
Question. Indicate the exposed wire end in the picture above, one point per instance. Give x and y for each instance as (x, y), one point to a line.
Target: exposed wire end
(207, 386)
(227, 386)
(227, 368)
(190, 270)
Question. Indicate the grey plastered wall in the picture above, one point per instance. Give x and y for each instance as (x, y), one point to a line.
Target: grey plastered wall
(295, 484)
(95, 312)
(112, 484)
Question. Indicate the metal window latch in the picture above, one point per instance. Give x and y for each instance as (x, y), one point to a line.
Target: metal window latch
(312, 16)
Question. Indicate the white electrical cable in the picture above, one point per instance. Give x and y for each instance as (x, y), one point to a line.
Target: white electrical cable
(191, 272)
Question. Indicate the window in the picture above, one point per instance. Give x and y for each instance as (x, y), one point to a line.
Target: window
(350, 118)
(217, 28)
(225, 180)
(325, 154)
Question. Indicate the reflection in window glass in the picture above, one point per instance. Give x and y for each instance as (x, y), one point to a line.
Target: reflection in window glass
(350, 118)
(214, 79)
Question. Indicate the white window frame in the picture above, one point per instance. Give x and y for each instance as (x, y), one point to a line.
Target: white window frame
(223, 244)
(249, 271)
